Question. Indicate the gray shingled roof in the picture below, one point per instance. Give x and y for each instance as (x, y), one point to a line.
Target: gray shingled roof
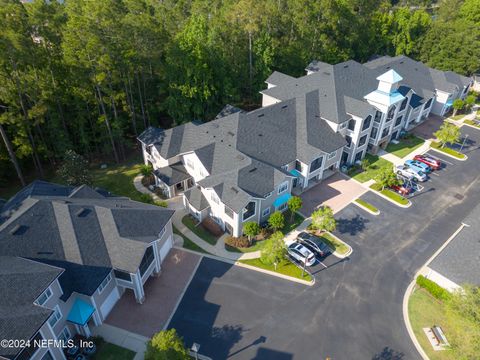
(228, 110)
(278, 78)
(22, 281)
(172, 174)
(316, 65)
(459, 261)
(100, 232)
(196, 198)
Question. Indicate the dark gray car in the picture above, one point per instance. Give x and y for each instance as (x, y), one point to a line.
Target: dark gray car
(314, 243)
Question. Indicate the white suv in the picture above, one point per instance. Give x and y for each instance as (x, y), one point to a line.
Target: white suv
(410, 174)
(301, 254)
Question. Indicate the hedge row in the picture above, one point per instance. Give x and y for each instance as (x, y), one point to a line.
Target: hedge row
(433, 288)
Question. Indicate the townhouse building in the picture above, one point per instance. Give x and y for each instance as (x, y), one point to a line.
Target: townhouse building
(243, 166)
(68, 254)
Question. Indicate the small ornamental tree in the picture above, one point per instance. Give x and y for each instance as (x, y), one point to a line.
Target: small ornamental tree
(448, 134)
(386, 178)
(294, 204)
(470, 101)
(74, 169)
(365, 164)
(276, 221)
(251, 229)
(146, 170)
(274, 252)
(166, 345)
(458, 104)
(322, 219)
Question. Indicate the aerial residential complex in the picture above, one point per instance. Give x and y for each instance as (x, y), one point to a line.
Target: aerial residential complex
(68, 254)
(243, 166)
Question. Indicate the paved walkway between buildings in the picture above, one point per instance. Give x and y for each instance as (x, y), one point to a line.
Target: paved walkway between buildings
(123, 338)
(400, 161)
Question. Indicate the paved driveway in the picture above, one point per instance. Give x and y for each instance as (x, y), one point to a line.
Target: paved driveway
(337, 192)
(161, 296)
(354, 311)
(426, 130)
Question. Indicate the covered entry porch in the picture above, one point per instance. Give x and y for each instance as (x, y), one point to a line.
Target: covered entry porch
(173, 179)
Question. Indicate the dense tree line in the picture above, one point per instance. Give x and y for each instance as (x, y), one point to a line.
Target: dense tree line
(91, 75)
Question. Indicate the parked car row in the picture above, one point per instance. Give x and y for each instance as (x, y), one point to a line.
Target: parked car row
(414, 170)
(307, 247)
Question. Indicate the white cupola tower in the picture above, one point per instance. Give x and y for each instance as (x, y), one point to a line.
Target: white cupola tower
(388, 82)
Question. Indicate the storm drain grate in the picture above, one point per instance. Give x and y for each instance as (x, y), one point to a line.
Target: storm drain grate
(458, 196)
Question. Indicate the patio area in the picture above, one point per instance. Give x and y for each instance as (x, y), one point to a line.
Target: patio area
(337, 192)
(426, 129)
(161, 296)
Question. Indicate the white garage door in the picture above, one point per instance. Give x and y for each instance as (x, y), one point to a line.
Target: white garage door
(166, 248)
(109, 302)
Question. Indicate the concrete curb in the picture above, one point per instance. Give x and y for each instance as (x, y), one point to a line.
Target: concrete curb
(451, 156)
(286, 277)
(365, 208)
(392, 201)
(472, 126)
(338, 255)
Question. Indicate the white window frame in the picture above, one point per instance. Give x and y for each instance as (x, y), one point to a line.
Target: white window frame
(48, 293)
(343, 125)
(332, 155)
(282, 207)
(64, 337)
(160, 234)
(266, 212)
(57, 315)
(104, 283)
(268, 195)
(284, 184)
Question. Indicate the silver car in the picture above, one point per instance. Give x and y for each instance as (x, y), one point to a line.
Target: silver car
(301, 254)
(411, 174)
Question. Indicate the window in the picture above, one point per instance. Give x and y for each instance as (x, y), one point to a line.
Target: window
(391, 113)
(228, 211)
(29, 351)
(267, 195)
(190, 164)
(363, 140)
(349, 141)
(266, 212)
(42, 299)
(358, 156)
(122, 275)
(373, 134)
(160, 234)
(378, 116)
(64, 335)
(104, 283)
(427, 105)
(398, 121)
(367, 122)
(316, 164)
(298, 166)
(343, 125)
(249, 210)
(57, 315)
(332, 155)
(47, 356)
(146, 260)
(283, 187)
(214, 198)
(351, 125)
(404, 103)
(282, 207)
(385, 132)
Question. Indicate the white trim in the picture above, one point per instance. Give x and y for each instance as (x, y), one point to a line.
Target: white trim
(266, 212)
(280, 191)
(56, 310)
(63, 333)
(48, 296)
(105, 281)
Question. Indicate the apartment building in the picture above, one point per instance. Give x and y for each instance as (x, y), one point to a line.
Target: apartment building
(68, 254)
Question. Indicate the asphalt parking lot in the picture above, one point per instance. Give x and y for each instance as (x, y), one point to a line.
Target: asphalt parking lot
(354, 310)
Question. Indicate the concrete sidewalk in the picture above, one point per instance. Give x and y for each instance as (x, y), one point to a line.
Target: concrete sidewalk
(123, 338)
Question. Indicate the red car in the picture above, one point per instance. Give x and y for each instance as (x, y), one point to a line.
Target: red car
(401, 189)
(433, 163)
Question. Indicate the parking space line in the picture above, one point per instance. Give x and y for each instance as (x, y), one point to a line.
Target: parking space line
(441, 159)
(434, 173)
(325, 266)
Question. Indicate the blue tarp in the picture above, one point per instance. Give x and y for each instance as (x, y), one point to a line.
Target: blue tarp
(295, 173)
(80, 312)
(282, 199)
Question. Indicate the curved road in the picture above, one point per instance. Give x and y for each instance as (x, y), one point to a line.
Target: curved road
(354, 311)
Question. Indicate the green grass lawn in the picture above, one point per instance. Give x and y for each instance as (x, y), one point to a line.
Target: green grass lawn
(376, 165)
(457, 117)
(405, 146)
(200, 231)
(471, 122)
(187, 243)
(447, 150)
(334, 244)
(288, 268)
(367, 205)
(424, 312)
(390, 194)
(108, 351)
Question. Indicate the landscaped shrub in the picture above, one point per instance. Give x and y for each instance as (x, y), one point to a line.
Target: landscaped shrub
(264, 233)
(238, 242)
(161, 203)
(146, 199)
(433, 288)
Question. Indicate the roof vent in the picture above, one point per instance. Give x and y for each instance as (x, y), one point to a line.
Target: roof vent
(231, 133)
(44, 253)
(326, 73)
(18, 230)
(345, 66)
(252, 170)
(82, 212)
(261, 115)
(235, 190)
(284, 106)
(401, 62)
(260, 135)
(240, 157)
(388, 67)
